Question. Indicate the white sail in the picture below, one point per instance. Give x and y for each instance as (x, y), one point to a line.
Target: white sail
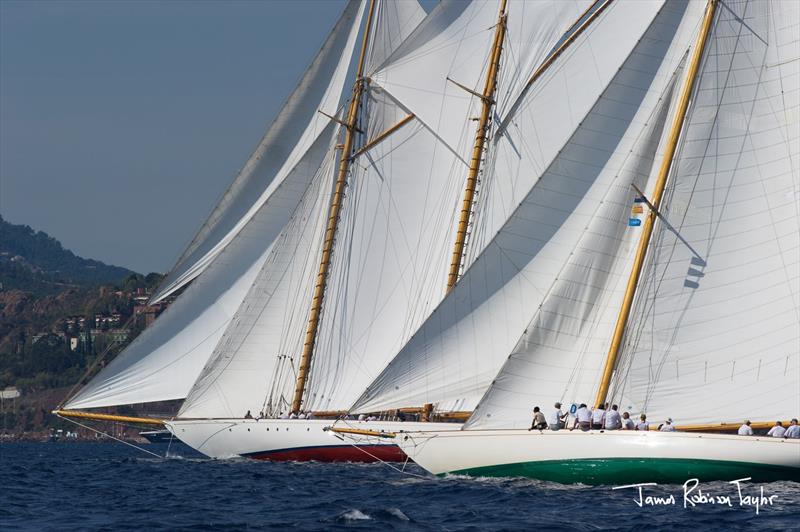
(455, 42)
(164, 361)
(394, 22)
(293, 131)
(269, 325)
(460, 348)
(390, 262)
(561, 352)
(715, 332)
(388, 272)
(396, 223)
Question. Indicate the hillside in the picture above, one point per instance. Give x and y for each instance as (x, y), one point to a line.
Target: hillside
(59, 313)
(35, 262)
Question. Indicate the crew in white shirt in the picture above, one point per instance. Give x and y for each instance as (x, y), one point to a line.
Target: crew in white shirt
(627, 422)
(793, 431)
(612, 421)
(643, 424)
(746, 429)
(292, 416)
(598, 417)
(777, 431)
(667, 426)
(284, 415)
(555, 420)
(583, 418)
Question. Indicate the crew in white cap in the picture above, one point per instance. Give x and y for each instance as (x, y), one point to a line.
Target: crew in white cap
(667, 426)
(555, 420)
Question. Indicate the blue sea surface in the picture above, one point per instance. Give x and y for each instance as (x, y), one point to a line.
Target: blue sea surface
(97, 486)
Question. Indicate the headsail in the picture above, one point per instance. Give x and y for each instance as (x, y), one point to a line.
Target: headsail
(715, 331)
(165, 360)
(294, 130)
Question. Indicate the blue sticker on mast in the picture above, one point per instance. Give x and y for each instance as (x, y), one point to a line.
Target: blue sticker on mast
(636, 211)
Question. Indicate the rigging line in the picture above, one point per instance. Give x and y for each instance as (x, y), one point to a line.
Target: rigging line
(110, 436)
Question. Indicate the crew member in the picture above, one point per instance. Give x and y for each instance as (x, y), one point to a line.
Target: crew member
(793, 431)
(667, 426)
(583, 418)
(539, 423)
(746, 429)
(627, 422)
(555, 420)
(777, 431)
(598, 417)
(612, 421)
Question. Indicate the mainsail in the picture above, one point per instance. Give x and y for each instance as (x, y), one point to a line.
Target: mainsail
(165, 360)
(715, 333)
(546, 158)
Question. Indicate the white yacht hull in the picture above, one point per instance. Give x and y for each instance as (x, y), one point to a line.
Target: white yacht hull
(604, 457)
(295, 439)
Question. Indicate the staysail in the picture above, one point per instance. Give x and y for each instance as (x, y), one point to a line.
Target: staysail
(715, 331)
(296, 127)
(457, 352)
(165, 360)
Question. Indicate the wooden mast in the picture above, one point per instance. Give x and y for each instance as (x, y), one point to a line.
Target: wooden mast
(333, 221)
(487, 98)
(647, 228)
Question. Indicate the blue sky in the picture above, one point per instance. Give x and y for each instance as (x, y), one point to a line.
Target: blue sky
(122, 122)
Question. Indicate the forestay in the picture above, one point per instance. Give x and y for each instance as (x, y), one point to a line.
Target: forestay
(297, 126)
(715, 331)
(457, 352)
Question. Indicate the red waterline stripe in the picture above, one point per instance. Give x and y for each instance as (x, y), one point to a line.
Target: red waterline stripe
(333, 453)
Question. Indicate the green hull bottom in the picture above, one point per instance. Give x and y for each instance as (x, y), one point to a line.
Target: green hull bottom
(619, 471)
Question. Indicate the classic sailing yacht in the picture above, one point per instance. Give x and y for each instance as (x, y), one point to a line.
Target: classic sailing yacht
(682, 303)
(317, 266)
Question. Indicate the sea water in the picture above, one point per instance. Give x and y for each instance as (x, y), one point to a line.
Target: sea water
(96, 486)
